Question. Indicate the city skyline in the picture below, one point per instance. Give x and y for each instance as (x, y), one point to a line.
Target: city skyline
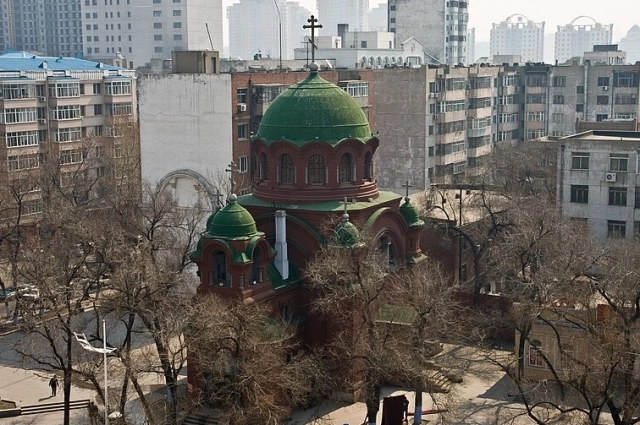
(483, 13)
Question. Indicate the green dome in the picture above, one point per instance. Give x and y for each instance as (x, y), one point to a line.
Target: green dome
(410, 214)
(314, 109)
(346, 233)
(232, 221)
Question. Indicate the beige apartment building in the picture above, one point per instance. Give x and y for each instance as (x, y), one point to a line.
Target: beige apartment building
(67, 108)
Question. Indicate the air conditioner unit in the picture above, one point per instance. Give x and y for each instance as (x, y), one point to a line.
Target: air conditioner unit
(610, 177)
(42, 121)
(242, 107)
(42, 99)
(605, 88)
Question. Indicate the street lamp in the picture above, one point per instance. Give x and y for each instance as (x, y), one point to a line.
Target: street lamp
(82, 340)
(279, 31)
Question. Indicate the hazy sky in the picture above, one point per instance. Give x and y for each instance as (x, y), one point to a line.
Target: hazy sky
(623, 14)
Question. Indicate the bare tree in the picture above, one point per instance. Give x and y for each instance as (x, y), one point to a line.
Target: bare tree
(249, 365)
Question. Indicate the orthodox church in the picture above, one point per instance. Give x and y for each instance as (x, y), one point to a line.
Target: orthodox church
(314, 156)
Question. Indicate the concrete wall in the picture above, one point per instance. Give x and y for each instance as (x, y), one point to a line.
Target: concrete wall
(400, 115)
(185, 124)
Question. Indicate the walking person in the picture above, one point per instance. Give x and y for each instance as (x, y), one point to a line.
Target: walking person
(53, 383)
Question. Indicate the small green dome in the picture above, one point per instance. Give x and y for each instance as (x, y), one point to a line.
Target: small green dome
(314, 109)
(410, 214)
(346, 233)
(232, 221)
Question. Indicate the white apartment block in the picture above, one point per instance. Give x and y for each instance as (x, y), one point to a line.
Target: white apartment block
(65, 106)
(331, 13)
(572, 40)
(281, 21)
(599, 182)
(518, 35)
(141, 30)
(630, 44)
(439, 25)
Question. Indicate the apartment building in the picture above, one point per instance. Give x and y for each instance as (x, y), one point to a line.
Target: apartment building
(141, 30)
(557, 96)
(332, 13)
(441, 128)
(282, 21)
(572, 40)
(518, 35)
(67, 108)
(440, 26)
(598, 181)
(46, 27)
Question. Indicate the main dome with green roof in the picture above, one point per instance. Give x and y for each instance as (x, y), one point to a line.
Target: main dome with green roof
(314, 109)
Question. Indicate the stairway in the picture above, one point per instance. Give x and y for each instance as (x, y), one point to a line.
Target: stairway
(36, 409)
(197, 419)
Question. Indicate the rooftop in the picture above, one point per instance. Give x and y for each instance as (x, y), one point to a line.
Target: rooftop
(605, 135)
(25, 61)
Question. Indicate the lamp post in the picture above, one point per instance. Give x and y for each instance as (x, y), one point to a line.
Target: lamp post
(82, 340)
(279, 30)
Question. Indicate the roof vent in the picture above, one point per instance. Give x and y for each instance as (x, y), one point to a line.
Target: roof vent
(44, 65)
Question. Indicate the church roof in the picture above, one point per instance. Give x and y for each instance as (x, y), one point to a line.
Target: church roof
(314, 109)
(410, 214)
(232, 222)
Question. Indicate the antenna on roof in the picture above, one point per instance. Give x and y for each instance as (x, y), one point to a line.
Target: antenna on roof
(209, 34)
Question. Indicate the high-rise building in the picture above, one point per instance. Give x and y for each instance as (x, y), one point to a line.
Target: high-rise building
(355, 13)
(378, 18)
(573, 40)
(141, 30)
(246, 40)
(471, 46)
(49, 27)
(518, 35)
(441, 27)
(630, 43)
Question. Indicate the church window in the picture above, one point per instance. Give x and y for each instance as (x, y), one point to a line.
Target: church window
(286, 172)
(264, 167)
(368, 166)
(316, 170)
(257, 269)
(389, 252)
(345, 169)
(218, 274)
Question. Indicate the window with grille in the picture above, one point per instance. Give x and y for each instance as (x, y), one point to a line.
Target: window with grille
(345, 169)
(286, 169)
(316, 170)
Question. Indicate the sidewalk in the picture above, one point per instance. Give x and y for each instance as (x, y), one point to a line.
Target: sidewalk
(27, 387)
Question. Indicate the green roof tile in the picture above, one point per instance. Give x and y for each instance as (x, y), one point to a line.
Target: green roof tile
(314, 109)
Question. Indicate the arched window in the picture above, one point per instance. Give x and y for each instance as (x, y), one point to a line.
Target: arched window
(287, 171)
(345, 169)
(316, 170)
(218, 273)
(535, 354)
(257, 269)
(389, 251)
(264, 167)
(368, 166)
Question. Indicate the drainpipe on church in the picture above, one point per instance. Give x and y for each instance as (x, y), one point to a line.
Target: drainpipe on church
(282, 262)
